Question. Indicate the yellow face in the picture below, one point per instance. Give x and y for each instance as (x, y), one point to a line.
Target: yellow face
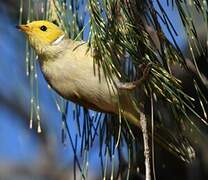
(42, 32)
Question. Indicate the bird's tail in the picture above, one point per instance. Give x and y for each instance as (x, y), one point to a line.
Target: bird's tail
(171, 137)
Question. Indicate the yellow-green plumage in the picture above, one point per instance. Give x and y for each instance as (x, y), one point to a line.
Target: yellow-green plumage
(68, 67)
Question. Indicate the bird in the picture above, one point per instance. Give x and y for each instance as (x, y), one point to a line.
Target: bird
(69, 68)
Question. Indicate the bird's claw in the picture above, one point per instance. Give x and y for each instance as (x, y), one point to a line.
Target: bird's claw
(145, 68)
(132, 85)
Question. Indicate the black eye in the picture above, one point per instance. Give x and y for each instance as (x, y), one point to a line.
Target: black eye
(43, 28)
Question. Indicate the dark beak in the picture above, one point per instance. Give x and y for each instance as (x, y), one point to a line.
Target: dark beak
(23, 28)
(18, 26)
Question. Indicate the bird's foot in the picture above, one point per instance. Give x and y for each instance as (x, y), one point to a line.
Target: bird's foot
(132, 85)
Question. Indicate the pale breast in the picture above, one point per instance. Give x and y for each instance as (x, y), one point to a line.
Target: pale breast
(74, 79)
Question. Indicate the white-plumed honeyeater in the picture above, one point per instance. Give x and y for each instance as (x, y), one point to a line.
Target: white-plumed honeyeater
(68, 67)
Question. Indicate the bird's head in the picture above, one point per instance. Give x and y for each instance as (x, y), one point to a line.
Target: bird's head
(41, 34)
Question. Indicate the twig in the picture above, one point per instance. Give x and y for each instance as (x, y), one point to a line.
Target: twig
(143, 123)
(152, 136)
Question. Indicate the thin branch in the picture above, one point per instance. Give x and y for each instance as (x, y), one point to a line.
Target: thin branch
(143, 123)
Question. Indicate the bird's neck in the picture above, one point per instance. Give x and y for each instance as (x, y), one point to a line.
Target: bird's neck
(49, 52)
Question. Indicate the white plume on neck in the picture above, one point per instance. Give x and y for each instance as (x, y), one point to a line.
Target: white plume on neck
(58, 40)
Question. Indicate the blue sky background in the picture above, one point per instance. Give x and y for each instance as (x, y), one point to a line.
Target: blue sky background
(17, 141)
